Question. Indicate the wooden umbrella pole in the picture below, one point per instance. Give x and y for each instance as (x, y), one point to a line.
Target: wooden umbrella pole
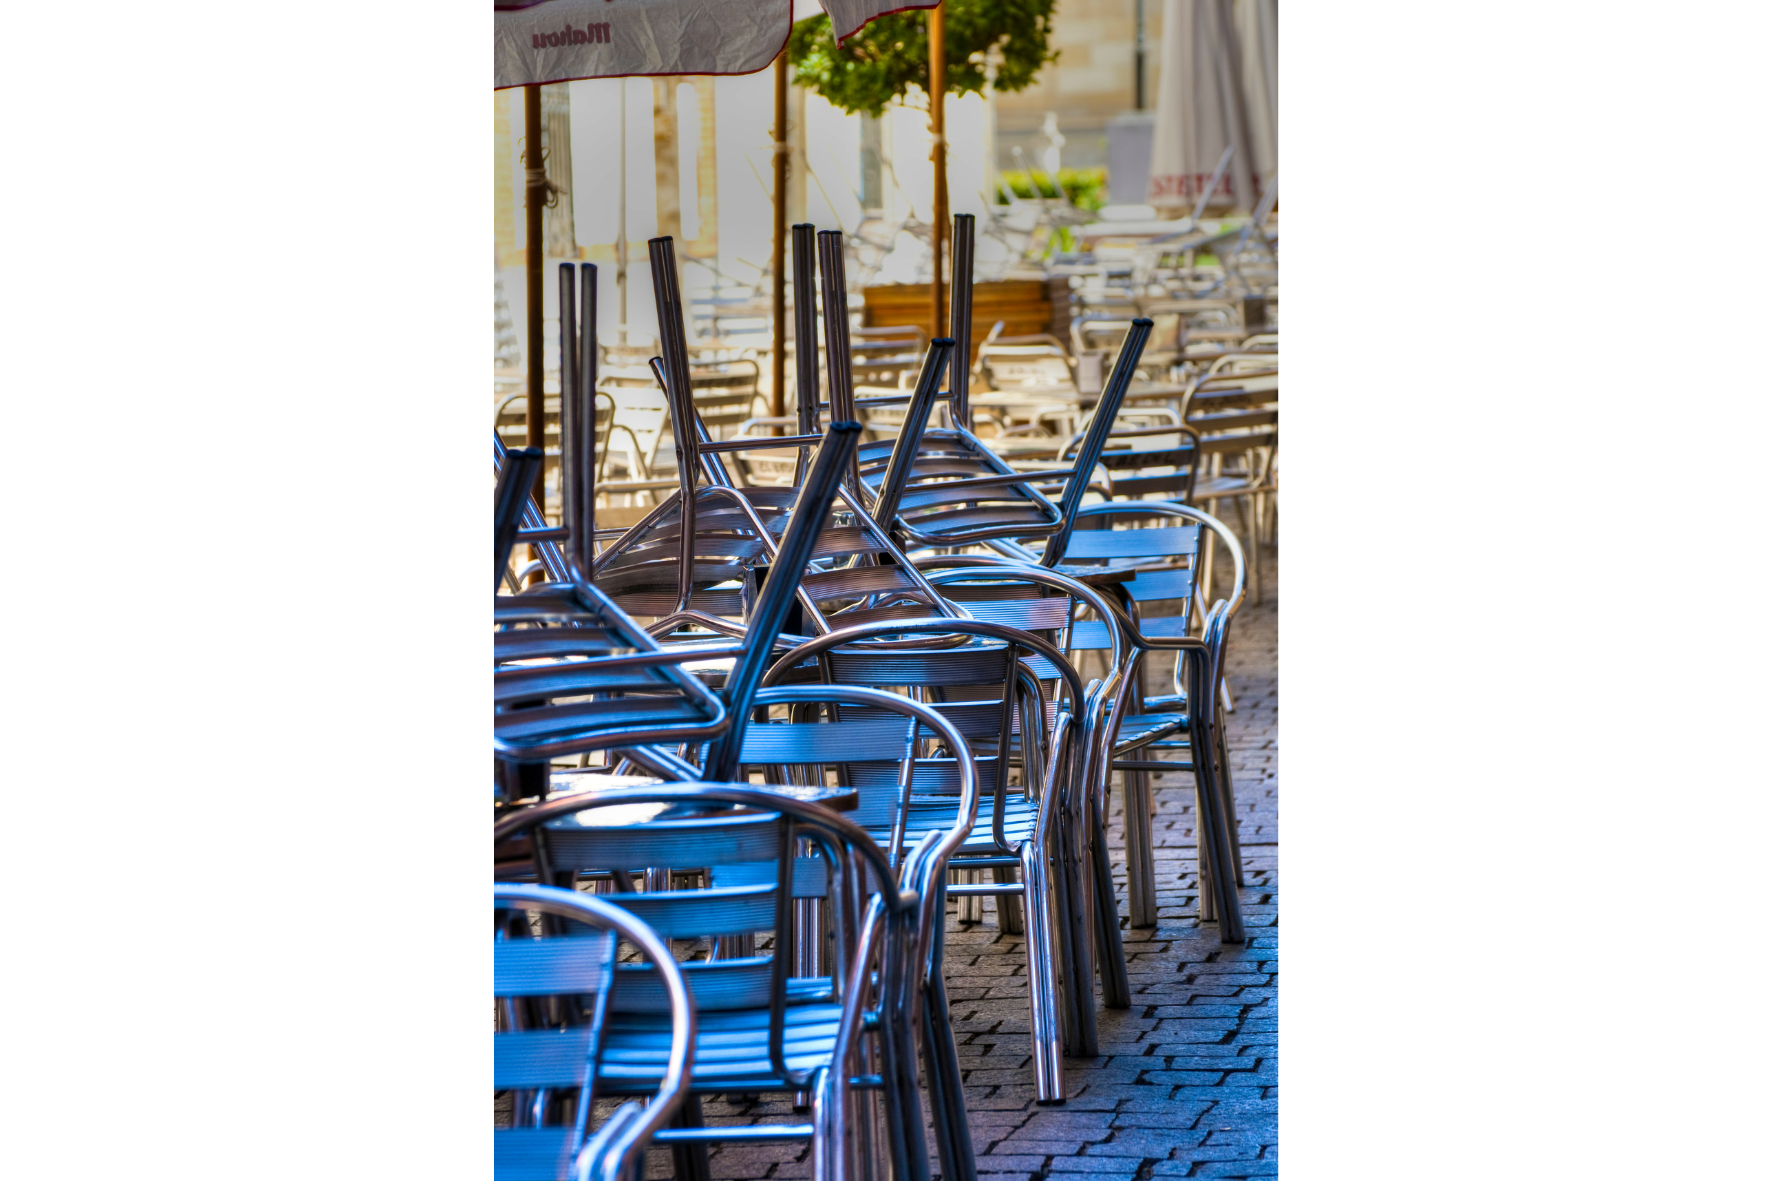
(778, 362)
(938, 87)
(535, 195)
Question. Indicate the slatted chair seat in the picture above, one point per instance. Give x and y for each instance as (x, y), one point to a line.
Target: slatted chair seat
(731, 1048)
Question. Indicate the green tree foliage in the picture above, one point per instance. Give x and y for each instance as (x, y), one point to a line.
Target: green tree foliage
(891, 55)
(1086, 187)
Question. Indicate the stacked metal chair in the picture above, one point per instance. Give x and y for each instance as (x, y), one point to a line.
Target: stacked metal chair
(549, 1053)
(562, 690)
(758, 1027)
(695, 561)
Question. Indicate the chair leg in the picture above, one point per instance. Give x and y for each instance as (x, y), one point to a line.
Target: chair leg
(1214, 843)
(1141, 887)
(1080, 890)
(1043, 1020)
(1009, 910)
(1229, 794)
(1110, 953)
(690, 1161)
(828, 1140)
(971, 909)
(1254, 554)
(941, 1066)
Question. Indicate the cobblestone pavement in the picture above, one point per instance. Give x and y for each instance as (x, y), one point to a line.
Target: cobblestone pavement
(1186, 1083)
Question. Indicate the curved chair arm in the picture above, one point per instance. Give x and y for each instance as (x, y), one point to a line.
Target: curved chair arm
(1170, 508)
(816, 816)
(896, 627)
(629, 1146)
(956, 567)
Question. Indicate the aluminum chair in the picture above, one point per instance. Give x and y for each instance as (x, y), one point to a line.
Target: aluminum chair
(549, 1052)
(1239, 447)
(1144, 565)
(574, 673)
(695, 559)
(970, 672)
(837, 1036)
(946, 488)
(1049, 605)
(876, 743)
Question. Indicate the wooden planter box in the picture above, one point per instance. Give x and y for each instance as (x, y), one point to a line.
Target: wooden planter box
(1025, 306)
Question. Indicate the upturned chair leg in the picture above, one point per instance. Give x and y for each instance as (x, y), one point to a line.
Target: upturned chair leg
(1043, 1018)
(1141, 887)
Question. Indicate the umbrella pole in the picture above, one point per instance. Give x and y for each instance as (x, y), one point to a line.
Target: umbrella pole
(621, 224)
(778, 362)
(535, 193)
(938, 88)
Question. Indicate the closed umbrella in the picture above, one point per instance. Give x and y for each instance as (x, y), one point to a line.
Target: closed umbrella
(1258, 29)
(1201, 107)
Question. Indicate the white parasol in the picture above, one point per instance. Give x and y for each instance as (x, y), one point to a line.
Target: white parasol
(1201, 108)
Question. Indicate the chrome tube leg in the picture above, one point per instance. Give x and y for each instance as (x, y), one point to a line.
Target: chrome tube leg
(1043, 1024)
(1010, 919)
(941, 1066)
(1141, 886)
(690, 1160)
(1080, 893)
(1207, 901)
(826, 1145)
(1228, 794)
(1214, 840)
(1254, 550)
(971, 909)
(1116, 990)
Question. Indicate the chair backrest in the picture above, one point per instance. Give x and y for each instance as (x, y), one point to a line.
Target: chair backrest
(725, 393)
(880, 744)
(554, 993)
(1145, 460)
(754, 874)
(1166, 541)
(1027, 368)
(970, 671)
(1237, 416)
(1032, 598)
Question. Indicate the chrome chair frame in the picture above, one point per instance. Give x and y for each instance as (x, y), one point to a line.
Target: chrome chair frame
(919, 861)
(616, 1152)
(954, 569)
(1061, 770)
(1199, 669)
(879, 922)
